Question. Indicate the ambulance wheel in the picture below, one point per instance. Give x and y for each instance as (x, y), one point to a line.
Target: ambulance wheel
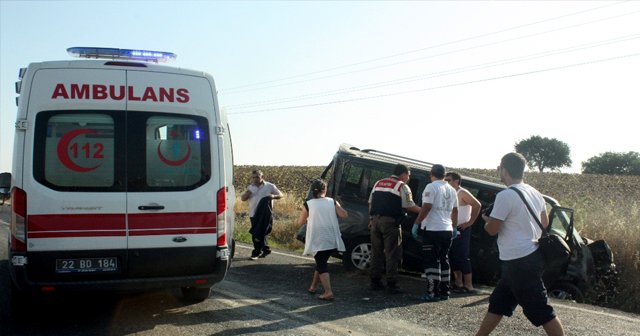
(19, 301)
(195, 294)
(233, 248)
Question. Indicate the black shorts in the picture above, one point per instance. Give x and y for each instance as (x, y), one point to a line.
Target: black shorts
(521, 284)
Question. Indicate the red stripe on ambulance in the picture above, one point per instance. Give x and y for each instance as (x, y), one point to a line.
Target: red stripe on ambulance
(76, 234)
(104, 225)
(181, 220)
(171, 232)
(102, 222)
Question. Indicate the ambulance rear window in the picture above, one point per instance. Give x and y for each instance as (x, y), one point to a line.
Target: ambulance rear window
(173, 152)
(78, 150)
(116, 151)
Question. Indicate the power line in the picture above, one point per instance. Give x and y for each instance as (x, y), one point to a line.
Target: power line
(459, 70)
(442, 86)
(437, 55)
(425, 48)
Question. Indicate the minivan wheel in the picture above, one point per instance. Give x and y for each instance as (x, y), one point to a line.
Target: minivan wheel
(195, 294)
(566, 291)
(358, 254)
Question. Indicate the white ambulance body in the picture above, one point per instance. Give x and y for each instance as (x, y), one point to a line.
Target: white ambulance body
(122, 177)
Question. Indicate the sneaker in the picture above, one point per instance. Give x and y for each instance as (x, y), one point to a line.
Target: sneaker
(254, 256)
(376, 285)
(442, 297)
(428, 297)
(264, 253)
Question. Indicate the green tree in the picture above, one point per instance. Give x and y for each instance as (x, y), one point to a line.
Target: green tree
(543, 153)
(612, 163)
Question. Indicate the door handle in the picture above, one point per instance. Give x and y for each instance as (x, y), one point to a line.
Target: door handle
(151, 207)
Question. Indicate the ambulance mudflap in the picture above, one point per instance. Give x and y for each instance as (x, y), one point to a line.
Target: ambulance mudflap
(121, 178)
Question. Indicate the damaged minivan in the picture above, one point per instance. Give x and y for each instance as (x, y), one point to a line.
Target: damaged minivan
(352, 174)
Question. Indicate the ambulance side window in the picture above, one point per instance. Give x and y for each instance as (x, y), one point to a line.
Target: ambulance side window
(76, 151)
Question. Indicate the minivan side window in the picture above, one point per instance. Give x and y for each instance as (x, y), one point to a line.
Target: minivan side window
(375, 176)
(351, 181)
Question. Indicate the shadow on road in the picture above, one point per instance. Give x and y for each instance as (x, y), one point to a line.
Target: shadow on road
(126, 313)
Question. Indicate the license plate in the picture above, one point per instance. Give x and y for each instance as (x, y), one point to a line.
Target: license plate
(87, 265)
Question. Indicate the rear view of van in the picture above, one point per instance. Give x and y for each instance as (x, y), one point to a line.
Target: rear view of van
(122, 176)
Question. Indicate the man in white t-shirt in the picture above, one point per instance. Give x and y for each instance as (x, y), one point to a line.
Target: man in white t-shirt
(259, 194)
(522, 264)
(437, 219)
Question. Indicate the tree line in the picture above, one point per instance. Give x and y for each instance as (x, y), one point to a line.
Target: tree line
(545, 153)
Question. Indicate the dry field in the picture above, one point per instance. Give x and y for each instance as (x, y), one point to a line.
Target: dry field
(606, 207)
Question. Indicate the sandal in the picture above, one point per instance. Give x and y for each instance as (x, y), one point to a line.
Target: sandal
(325, 298)
(311, 291)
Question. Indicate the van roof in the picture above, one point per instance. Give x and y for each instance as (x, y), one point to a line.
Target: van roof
(372, 154)
(122, 64)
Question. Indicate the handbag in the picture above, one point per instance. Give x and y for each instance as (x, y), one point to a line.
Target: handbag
(555, 250)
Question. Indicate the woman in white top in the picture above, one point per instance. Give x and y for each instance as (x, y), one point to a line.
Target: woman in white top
(323, 234)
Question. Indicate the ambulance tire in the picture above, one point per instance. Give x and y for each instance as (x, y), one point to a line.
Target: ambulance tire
(232, 253)
(19, 301)
(195, 294)
(233, 248)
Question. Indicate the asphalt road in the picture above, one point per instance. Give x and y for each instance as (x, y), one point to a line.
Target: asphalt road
(269, 297)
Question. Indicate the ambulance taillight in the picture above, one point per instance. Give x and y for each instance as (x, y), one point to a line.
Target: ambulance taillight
(18, 220)
(221, 201)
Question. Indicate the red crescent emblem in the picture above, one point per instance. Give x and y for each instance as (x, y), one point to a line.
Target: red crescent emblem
(176, 162)
(63, 154)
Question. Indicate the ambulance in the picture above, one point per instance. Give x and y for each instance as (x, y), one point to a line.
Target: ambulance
(122, 176)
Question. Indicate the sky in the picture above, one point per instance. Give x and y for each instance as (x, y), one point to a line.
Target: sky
(451, 82)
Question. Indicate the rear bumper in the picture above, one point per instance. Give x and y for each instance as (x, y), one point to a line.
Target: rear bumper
(19, 276)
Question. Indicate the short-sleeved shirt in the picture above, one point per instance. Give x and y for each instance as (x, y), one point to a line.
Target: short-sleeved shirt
(519, 233)
(443, 198)
(258, 193)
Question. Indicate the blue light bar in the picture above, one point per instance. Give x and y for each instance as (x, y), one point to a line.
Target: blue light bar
(126, 54)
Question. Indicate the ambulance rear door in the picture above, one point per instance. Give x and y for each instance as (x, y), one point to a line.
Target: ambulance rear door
(74, 173)
(172, 181)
